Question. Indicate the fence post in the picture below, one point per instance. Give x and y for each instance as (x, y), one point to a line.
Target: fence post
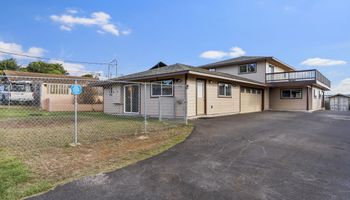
(144, 108)
(9, 95)
(75, 117)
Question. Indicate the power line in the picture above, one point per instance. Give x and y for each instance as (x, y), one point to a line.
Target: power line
(46, 58)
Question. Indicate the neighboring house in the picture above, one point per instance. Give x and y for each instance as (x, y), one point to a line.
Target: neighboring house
(239, 85)
(339, 102)
(51, 92)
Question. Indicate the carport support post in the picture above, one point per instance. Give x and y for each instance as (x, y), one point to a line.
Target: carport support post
(75, 118)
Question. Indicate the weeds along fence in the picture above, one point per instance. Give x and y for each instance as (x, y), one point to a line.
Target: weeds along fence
(40, 112)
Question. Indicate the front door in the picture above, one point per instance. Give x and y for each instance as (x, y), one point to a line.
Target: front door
(131, 98)
(200, 97)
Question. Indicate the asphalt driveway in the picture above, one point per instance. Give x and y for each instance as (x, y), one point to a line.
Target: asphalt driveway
(270, 155)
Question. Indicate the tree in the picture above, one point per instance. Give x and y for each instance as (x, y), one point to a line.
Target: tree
(43, 67)
(9, 64)
(88, 75)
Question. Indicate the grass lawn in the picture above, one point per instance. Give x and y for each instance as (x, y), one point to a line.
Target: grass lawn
(35, 153)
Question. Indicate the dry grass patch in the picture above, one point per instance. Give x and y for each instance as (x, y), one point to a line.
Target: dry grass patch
(59, 164)
(38, 144)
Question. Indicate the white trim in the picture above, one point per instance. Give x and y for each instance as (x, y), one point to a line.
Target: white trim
(225, 78)
(138, 100)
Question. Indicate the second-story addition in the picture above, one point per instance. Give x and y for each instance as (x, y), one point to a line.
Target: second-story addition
(288, 88)
(269, 70)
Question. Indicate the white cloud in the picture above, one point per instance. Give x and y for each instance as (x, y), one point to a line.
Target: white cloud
(72, 68)
(18, 49)
(71, 11)
(343, 87)
(101, 20)
(232, 53)
(322, 62)
(126, 32)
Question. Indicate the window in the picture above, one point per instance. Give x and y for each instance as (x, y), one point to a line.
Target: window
(162, 88)
(212, 69)
(247, 90)
(254, 91)
(242, 89)
(319, 94)
(248, 68)
(315, 94)
(291, 94)
(224, 90)
(258, 91)
(63, 89)
(271, 69)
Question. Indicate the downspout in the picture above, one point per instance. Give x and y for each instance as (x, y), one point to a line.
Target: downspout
(307, 98)
(186, 101)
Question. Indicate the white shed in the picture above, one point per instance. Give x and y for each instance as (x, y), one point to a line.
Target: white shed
(339, 102)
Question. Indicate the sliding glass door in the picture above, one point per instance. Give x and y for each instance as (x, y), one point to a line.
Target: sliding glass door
(131, 98)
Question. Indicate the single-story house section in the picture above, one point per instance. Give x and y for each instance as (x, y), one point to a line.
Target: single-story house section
(240, 85)
(50, 92)
(339, 102)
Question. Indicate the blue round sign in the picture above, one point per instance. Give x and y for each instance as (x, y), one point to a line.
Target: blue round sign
(76, 89)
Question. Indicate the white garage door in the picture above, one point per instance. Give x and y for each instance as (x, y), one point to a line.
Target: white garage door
(251, 100)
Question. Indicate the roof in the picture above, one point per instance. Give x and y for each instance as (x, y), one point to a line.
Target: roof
(159, 65)
(10, 73)
(243, 60)
(177, 69)
(344, 95)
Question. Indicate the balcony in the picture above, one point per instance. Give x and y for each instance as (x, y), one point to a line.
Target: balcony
(304, 76)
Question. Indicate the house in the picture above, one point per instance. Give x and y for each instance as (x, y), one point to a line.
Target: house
(239, 85)
(51, 92)
(339, 102)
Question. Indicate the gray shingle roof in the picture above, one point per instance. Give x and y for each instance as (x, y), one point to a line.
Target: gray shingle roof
(241, 59)
(180, 69)
(244, 60)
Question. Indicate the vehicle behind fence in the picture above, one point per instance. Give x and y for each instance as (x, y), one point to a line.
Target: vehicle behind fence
(42, 112)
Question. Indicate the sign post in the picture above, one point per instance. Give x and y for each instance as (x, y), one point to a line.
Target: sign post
(76, 90)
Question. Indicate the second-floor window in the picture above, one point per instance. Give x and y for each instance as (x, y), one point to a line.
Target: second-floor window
(271, 69)
(248, 68)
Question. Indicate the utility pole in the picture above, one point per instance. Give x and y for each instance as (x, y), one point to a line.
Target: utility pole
(113, 63)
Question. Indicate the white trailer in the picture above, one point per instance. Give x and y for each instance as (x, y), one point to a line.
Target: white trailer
(17, 92)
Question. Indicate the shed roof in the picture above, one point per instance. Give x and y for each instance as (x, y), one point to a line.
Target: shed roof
(32, 75)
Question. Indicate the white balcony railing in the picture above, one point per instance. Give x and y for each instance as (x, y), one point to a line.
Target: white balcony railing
(304, 75)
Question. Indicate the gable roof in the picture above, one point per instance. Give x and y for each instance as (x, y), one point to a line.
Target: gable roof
(159, 65)
(177, 69)
(244, 60)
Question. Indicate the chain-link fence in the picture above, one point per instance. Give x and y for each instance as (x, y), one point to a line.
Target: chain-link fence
(40, 112)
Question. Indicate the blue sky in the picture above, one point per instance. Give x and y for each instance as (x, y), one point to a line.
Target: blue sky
(304, 34)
